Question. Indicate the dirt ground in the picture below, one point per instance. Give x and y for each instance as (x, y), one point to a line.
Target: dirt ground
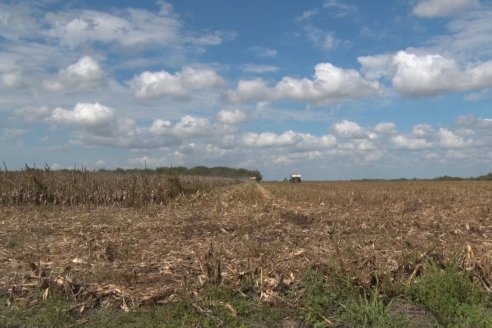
(266, 234)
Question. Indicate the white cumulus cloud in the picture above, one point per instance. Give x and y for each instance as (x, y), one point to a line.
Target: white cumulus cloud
(385, 128)
(231, 116)
(187, 126)
(289, 138)
(409, 142)
(330, 84)
(178, 86)
(424, 75)
(84, 114)
(85, 74)
(448, 139)
(422, 130)
(349, 129)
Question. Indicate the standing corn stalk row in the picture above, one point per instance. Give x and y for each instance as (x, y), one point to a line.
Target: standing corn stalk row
(75, 187)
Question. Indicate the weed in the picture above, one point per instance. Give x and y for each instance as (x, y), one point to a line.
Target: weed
(453, 297)
(50, 313)
(236, 310)
(323, 296)
(370, 311)
(219, 307)
(317, 299)
(331, 299)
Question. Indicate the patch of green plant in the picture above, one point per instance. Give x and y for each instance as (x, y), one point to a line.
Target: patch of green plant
(178, 314)
(370, 311)
(236, 310)
(218, 306)
(317, 299)
(323, 295)
(330, 299)
(452, 296)
(53, 312)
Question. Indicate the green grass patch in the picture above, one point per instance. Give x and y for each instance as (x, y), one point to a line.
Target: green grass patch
(53, 312)
(218, 306)
(452, 296)
(324, 298)
(370, 311)
(330, 299)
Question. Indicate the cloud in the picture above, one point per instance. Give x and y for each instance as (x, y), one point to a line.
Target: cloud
(340, 9)
(178, 86)
(422, 134)
(330, 84)
(211, 39)
(12, 134)
(385, 128)
(13, 79)
(409, 142)
(349, 129)
(98, 125)
(84, 115)
(248, 90)
(377, 66)
(289, 138)
(422, 130)
(85, 74)
(325, 41)
(424, 75)
(231, 116)
(471, 122)
(198, 140)
(441, 8)
(307, 14)
(128, 28)
(32, 114)
(448, 139)
(18, 20)
(187, 126)
(259, 69)
(468, 36)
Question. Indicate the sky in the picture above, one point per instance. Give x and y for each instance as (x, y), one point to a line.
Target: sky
(331, 89)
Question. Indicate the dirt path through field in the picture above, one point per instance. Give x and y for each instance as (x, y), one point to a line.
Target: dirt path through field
(265, 193)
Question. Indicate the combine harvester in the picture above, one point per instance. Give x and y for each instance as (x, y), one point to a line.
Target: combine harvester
(295, 177)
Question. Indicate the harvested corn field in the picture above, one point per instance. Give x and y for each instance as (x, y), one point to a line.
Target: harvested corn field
(260, 241)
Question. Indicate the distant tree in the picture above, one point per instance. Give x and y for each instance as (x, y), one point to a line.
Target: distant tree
(485, 177)
(218, 171)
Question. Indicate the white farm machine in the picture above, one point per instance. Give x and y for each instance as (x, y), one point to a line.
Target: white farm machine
(295, 177)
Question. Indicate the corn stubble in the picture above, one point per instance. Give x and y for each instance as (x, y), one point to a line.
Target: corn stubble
(258, 239)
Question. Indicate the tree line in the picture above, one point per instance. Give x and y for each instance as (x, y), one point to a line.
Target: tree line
(218, 171)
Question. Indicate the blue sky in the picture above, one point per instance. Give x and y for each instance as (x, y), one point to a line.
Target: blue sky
(332, 89)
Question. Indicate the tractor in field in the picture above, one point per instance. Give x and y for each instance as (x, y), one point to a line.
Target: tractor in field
(295, 178)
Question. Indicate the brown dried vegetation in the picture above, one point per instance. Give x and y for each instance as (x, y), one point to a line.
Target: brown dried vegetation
(253, 238)
(80, 187)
